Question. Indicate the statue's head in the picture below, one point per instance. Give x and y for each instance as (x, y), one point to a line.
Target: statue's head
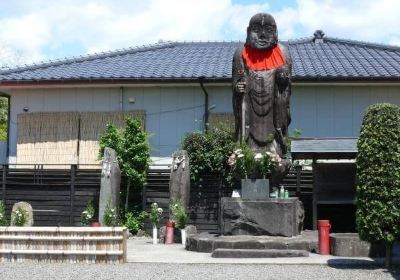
(262, 33)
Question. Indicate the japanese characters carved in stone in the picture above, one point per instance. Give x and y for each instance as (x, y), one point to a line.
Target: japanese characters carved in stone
(261, 74)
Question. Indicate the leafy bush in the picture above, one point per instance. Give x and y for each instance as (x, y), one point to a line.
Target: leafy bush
(155, 214)
(19, 217)
(179, 214)
(209, 151)
(3, 220)
(378, 174)
(134, 221)
(110, 218)
(133, 150)
(245, 163)
(88, 215)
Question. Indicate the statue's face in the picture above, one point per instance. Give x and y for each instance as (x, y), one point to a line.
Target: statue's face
(261, 37)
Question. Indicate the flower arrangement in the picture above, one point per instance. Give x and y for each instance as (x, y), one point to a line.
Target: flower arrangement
(246, 163)
(110, 218)
(88, 214)
(19, 217)
(179, 214)
(3, 221)
(155, 214)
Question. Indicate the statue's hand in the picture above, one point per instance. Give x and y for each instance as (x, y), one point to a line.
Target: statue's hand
(241, 87)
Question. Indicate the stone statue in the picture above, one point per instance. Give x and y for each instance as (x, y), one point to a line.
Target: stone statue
(261, 73)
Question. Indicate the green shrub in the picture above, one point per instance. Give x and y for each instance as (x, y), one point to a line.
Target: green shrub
(87, 215)
(133, 150)
(155, 214)
(134, 221)
(208, 152)
(378, 175)
(179, 214)
(3, 220)
(19, 217)
(110, 218)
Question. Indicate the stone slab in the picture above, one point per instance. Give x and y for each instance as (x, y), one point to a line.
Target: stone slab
(257, 253)
(203, 242)
(350, 245)
(275, 217)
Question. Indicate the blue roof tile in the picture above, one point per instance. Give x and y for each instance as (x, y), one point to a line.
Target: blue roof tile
(332, 59)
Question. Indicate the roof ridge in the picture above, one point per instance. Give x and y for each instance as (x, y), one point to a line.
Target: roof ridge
(88, 57)
(363, 43)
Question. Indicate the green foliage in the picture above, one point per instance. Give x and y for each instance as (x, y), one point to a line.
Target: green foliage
(378, 174)
(208, 152)
(110, 218)
(3, 220)
(155, 214)
(134, 221)
(19, 217)
(88, 215)
(179, 214)
(3, 118)
(245, 163)
(133, 150)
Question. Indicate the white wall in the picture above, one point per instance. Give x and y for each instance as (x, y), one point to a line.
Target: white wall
(172, 111)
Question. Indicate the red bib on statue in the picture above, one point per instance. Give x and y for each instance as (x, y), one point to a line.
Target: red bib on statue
(260, 60)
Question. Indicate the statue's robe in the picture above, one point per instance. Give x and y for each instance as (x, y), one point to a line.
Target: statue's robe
(266, 97)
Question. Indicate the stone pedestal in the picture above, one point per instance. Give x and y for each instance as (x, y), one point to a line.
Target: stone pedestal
(275, 217)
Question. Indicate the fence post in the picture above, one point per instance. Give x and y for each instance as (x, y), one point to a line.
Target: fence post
(72, 194)
(3, 183)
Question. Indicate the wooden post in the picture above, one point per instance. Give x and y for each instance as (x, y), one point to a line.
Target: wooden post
(3, 183)
(125, 245)
(72, 194)
(314, 192)
(298, 180)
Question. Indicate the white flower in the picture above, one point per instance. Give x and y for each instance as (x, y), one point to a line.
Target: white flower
(89, 216)
(112, 210)
(155, 205)
(269, 154)
(258, 156)
(159, 210)
(240, 155)
(238, 151)
(85, 212)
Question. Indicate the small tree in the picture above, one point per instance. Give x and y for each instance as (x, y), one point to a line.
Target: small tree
(133, 150)
(378, 175)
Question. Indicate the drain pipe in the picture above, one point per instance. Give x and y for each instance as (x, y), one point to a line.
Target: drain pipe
(205, 117)
(121, 98)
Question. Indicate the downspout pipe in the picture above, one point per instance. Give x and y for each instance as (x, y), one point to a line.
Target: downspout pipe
(121, 98)
(205, 117)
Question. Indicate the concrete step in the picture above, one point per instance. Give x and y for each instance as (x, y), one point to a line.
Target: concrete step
(258, 253)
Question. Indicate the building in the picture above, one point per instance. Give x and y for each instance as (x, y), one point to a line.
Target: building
(57, 108)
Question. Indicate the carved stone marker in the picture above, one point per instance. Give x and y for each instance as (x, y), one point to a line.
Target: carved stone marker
(28, 208)
(276, 217)
(110, 182)
(179, 183)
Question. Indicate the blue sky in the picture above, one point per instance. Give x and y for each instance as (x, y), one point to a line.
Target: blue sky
(35, 30)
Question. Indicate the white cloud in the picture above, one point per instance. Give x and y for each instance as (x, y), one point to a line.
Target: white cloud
(44, 28)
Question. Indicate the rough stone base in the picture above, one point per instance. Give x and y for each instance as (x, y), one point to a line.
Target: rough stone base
(350, 245)
(276, 217)
(254, 253)
(207, 243)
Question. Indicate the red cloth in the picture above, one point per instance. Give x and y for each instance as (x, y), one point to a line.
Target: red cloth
(259, 60)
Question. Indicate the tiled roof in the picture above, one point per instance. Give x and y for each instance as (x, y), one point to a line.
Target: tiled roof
(324, 148)
(330, 60)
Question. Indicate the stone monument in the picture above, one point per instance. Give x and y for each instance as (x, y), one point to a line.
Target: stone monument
(110, 182)
(179, 183)
(261, 73)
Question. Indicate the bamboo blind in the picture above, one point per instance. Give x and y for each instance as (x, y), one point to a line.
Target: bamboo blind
(64, 244)
(217, 119)
(93, 124)
(52, 138)
(48, 138)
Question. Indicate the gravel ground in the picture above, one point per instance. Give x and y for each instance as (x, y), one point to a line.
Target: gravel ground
(143, 271)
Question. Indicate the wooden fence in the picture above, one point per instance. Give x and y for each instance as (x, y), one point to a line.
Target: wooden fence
(57, 196)
(63, 244)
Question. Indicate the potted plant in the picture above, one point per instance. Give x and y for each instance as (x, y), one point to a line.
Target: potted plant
(155, 216)
(253, 168)
(180, 217)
